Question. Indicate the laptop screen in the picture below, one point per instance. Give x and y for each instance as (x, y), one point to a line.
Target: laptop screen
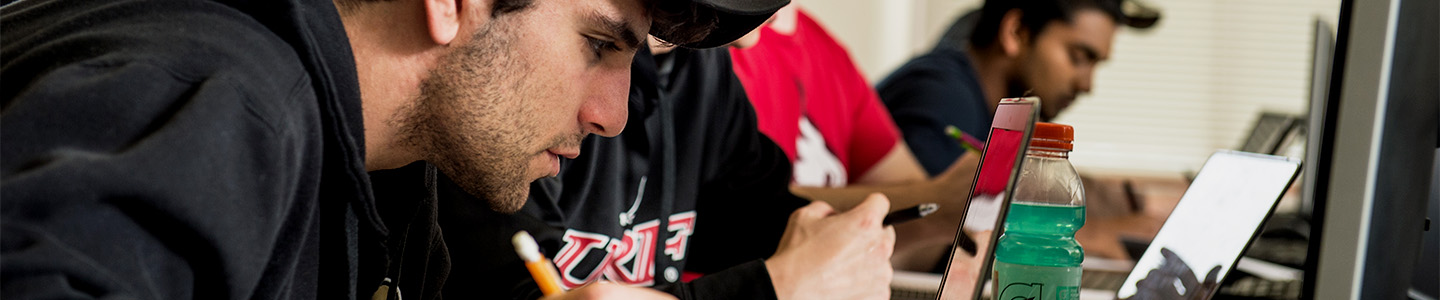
(1211, 226)
(971, 255)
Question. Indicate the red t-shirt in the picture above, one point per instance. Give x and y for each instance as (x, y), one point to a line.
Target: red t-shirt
(810, 98)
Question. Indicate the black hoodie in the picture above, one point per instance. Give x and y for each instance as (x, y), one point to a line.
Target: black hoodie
(172, 149)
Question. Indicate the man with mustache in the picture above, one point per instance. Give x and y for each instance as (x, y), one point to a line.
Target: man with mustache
(218, 149)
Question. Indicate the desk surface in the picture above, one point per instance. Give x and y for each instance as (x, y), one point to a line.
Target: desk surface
(1109, 217)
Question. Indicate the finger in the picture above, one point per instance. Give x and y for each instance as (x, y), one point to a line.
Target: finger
(887, 242)
(887, 275)
(872, 211)
(877, 291)
(982, 243)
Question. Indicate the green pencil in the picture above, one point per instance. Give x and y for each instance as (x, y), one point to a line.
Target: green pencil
(970, 143)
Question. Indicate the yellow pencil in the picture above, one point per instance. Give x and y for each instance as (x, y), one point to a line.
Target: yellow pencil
(540, 268)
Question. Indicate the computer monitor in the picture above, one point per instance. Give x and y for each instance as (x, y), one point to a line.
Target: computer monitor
(1376, 126)
(1426, 282)
(1323, 53)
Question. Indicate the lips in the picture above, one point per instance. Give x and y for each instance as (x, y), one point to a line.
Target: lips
(567, 153)
(554, 164)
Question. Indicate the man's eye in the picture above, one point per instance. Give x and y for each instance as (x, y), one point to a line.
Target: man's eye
(600, 46)
(1081, 58)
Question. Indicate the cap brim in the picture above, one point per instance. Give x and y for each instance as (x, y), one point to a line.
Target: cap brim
(744, 7)
(734, 19)
(1139, 15)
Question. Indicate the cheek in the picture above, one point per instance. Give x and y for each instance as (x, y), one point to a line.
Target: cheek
(1059, 68)
(558, 95)
(1049, 74)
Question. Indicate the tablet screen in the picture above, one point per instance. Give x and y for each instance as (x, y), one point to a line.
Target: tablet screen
(971, 255)
(1211, 226)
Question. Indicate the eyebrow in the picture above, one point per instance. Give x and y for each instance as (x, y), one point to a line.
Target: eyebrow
(619, 28)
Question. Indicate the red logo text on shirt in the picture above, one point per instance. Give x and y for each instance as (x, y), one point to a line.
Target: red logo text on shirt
(629, 259)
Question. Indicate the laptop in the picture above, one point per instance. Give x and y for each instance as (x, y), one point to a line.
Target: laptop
(1199, 244)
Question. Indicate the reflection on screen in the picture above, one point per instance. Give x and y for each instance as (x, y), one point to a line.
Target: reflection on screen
(972, 251)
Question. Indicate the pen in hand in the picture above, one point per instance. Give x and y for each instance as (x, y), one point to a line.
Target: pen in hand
(540, 268)
(908, 214)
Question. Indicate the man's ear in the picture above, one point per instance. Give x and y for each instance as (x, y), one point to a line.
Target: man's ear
(442, 18)
(1012, 35)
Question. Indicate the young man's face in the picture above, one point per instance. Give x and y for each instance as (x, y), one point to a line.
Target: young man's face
(499, 109)
(1060, 63)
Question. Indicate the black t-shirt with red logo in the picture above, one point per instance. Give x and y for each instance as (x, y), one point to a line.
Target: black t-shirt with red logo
(690, 187)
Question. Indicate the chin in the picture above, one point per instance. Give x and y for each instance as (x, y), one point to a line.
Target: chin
(505, 192)
(1046, 117)
(509, 204)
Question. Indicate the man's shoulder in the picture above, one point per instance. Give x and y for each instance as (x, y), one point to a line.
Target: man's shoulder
(191, 41)
(937, 64)
(941, 72)
(199, 67)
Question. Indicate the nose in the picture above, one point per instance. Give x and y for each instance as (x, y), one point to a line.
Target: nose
(1085, 81)
(604, 113)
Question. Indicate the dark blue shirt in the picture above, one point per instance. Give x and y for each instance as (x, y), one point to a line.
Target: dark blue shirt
(930, 92)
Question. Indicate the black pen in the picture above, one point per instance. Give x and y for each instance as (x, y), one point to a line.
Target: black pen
(908, 214)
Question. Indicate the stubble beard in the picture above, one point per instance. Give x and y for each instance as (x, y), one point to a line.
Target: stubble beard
(469, 122)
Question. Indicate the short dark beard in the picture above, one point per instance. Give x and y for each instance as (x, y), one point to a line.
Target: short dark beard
(468, 123)
(1017, 87)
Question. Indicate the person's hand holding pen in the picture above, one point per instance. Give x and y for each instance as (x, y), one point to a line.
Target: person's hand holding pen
(828, 255)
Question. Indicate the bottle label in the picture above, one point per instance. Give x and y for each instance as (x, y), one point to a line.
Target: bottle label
(1014, 281)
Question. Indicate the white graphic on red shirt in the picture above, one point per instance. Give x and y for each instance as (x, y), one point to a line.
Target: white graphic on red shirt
(814, 164)
(629, 259)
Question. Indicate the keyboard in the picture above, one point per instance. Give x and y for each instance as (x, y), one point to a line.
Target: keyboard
(1102, 280)
(1252, 287)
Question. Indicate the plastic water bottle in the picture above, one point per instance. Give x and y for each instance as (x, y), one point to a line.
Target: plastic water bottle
(1037, 256)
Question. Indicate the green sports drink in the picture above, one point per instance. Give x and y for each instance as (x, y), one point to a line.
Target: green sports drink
(1037, 256)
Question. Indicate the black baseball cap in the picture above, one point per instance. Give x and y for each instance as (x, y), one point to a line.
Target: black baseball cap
(726, 20)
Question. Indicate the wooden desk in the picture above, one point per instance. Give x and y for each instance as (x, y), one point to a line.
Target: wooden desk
(1109, 216)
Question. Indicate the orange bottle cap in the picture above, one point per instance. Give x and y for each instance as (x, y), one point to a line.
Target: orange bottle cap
(1054, 136)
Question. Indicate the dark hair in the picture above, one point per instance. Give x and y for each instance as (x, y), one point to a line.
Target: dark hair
(1035, 14)
(509, 6)
(501, 6)
(678, 22)
(681, 22)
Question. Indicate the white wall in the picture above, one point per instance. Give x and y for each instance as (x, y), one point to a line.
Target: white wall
(1168, 97)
